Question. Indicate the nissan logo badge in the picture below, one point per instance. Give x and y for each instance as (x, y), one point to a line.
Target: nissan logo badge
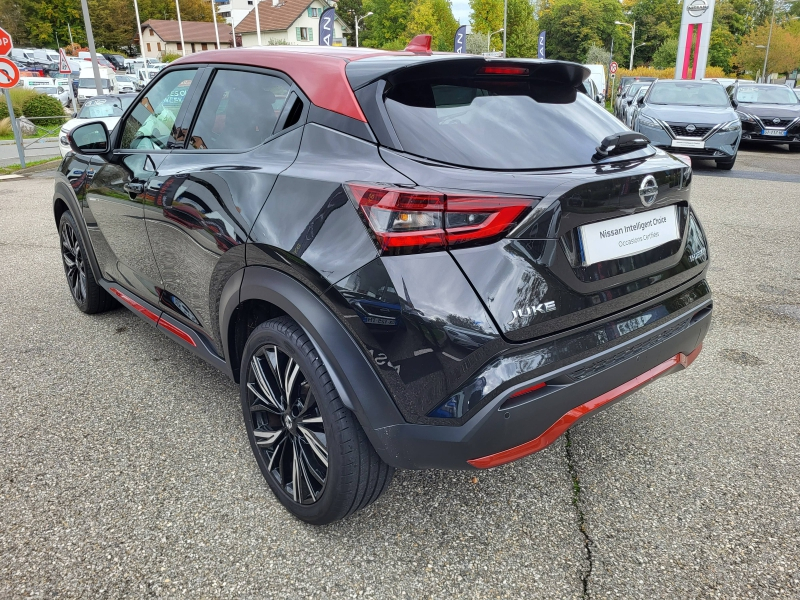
(690, 128)
(776, 120)
(648, 190)
(695, 8)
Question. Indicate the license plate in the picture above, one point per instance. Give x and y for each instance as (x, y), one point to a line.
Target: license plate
(778, 132)
(626, 236)
(688, 144)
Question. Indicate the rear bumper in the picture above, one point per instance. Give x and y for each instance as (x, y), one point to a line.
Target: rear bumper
(509, 428)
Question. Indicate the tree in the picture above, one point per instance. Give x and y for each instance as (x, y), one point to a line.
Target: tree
(347, 10)
(522, 35)
(666, 55)
(436, 18)
(574, 25)
(476, 43)
(656, 22)
(388, 23)
(597, 56)
(784, 50)
(486, 16)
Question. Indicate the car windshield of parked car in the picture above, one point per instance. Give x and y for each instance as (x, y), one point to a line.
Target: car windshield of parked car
(688, 93)
(765, 94)
(46, 89)
(503, 124)
(88, 83)
(99, 108)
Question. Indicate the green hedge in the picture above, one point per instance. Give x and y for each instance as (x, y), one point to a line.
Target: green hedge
(42, 105)
(19, 96)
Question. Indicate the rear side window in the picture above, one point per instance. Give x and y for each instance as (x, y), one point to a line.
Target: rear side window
(239, 111)
(499, 122)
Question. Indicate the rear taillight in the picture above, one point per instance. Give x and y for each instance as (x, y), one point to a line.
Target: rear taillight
(409, 219)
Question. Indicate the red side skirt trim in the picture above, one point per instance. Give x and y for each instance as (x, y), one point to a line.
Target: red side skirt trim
(564, 423)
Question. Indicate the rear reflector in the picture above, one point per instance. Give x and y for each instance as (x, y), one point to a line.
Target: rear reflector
(528, 390)
(409, 219)
(491, 70)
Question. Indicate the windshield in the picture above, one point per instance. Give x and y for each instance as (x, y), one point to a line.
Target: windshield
(88, 82)
(765, 94)
(503, 124)
(635, 87)
(688, 93)
(98, 108)
(46, 89)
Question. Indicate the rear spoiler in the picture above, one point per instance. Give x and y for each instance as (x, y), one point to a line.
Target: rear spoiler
(362, 72)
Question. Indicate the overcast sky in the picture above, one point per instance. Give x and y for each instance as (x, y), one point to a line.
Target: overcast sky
(461, 11)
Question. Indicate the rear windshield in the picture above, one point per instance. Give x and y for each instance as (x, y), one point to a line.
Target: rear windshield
(502, 124)
(765, 94)
(98, 108)
(688, 93)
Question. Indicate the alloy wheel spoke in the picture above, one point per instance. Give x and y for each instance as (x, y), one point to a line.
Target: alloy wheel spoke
(292, 369)
(306, 403)
(295, 474)
(311, 469)
(311, 421)
(301, 461)
(267, 404)
(267, 392)
(68, 261)
(267, 438)
(316, 446)
(275, 452)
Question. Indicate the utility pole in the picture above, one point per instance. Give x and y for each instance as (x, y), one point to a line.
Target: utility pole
(769, 39)
(505, 25)
(98, 85)
(139, 27)
(216, 27)
(180, 27)
(258, 24)
(70, 35)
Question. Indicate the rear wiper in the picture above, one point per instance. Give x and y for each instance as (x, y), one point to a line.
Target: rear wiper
(620, 143)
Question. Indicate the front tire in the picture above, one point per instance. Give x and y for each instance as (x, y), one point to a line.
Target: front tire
(312, 450)
(88, 295)
(794, 147)
(726, 165)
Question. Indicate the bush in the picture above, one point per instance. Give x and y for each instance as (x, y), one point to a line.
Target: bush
(19, 96)
(668, 73)
(42, 105)
(168, 57)
(5, 127)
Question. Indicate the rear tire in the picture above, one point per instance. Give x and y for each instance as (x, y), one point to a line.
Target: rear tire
(726, 165)
(88, 295)
(310, 448)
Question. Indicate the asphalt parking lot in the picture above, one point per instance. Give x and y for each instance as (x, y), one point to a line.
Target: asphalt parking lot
(125, 470)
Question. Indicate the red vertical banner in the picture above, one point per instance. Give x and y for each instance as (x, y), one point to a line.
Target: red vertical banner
(687, 53)
(696, 53)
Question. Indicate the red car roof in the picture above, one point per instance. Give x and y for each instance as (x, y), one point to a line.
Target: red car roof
(318, 70)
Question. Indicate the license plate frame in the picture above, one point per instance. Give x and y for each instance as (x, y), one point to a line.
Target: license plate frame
(696, 144)
(774, 132)
(629, 235)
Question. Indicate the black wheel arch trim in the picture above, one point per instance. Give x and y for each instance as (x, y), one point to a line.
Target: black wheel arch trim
(359, 386)
(64, 193)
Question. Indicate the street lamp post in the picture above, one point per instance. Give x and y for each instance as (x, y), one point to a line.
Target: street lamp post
(633, 38)
(180, 27)
(769, 37)
(258, 25)
(216, 27)
(489, 41)
(505, 25)
(359, 20)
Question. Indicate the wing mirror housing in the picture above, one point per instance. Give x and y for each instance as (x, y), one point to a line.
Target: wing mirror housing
(640, 101)
(91, 138)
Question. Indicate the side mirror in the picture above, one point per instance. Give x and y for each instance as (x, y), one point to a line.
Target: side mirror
(640, 101)
(734, 103)
(91, 138)
(629, 101)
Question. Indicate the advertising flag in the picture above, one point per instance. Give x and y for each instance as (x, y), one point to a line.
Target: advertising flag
(540, 51)
(326, 27)
(460, 42)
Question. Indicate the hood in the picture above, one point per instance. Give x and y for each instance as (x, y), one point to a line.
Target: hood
(690, 114)
(110, 122)
(784, 111)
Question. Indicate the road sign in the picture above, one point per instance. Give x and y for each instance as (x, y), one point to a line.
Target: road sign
(612, 68)
(5, 42)
(63, 63)
(613, 76)
(9, 73)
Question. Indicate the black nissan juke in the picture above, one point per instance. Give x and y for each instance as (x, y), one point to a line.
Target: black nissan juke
(404, 259)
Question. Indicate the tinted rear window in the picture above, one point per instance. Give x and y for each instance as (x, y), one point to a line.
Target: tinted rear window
(499, 122)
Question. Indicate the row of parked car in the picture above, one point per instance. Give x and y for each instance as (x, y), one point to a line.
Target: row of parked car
(708, 119)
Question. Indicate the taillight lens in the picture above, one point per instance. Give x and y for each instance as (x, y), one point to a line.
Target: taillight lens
(409, 219)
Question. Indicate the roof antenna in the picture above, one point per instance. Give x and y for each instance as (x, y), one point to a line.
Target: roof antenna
(421, 44)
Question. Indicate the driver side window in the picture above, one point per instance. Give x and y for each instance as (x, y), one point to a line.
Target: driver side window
(151, 123)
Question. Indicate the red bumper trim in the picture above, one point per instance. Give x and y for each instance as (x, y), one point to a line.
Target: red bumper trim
(135, 305)
(566, 421)
(177, 331)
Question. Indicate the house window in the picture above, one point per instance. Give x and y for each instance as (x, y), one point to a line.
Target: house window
(151, 33)
(204, 46)
(180, 47)
(225, 15)
(158, 46)
(313, 12)
(304, 34)
(250, 2)
(148, 46)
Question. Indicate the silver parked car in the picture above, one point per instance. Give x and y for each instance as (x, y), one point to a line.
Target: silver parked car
(690, 117)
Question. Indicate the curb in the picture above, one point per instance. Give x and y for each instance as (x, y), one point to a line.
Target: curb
(48, 166)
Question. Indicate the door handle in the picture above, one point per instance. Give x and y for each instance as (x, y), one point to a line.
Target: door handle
(133, 188)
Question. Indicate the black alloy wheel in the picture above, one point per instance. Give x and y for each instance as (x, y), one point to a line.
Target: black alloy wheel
(287, 425)
(73, 256)
(309, 447)
(90, 297)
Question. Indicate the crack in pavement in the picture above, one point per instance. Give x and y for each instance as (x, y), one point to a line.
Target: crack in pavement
(576, 502)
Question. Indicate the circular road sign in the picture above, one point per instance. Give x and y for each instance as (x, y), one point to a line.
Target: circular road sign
(612, 68)
(5, 42)
(9, 73)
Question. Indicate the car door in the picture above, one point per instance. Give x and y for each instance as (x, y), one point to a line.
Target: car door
(207, 195)
(117, 185)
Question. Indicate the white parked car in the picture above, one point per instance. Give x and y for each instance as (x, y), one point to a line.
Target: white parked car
(59, 92)
(86, 83)
(126, 83)
(107, 109)
(144, 76)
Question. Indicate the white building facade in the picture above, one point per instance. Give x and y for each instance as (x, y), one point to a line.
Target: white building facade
(292, 22)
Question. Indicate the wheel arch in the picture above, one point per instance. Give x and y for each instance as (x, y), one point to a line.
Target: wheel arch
(266, 293)
(64, 200)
